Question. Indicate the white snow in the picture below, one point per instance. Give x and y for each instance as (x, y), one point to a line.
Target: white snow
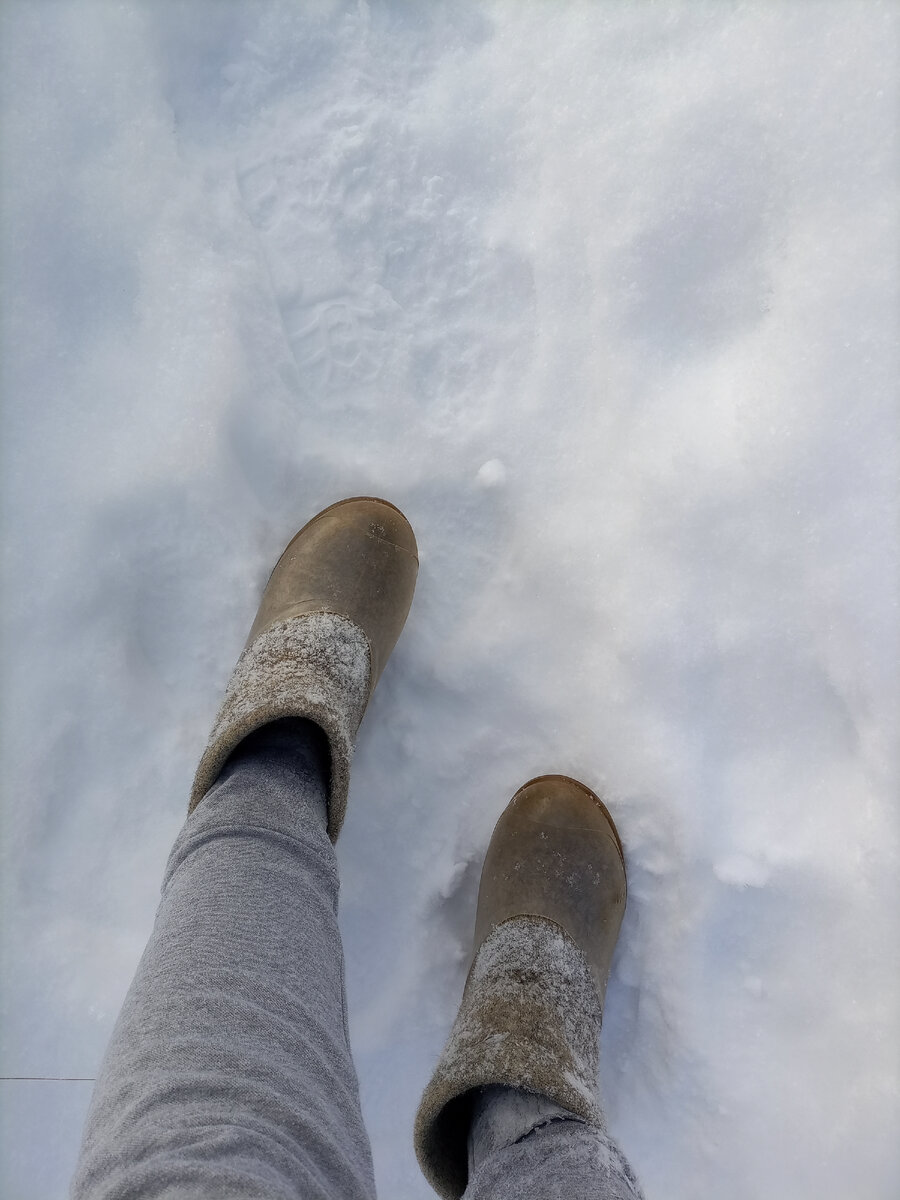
(605, 298)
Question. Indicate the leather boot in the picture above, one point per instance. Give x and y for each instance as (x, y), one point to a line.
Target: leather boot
(550, 907)
(329, 618)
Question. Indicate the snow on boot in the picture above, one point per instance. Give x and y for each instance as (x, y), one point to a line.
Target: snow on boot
(329, 618)
(550, 906)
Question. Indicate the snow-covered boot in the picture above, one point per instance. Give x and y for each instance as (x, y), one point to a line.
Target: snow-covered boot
(550, 906)
(329, 618)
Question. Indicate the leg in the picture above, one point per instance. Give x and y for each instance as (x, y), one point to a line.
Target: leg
(229, 1071)
(523, 1146)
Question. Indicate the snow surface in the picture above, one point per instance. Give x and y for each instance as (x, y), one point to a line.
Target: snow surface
(604, 297)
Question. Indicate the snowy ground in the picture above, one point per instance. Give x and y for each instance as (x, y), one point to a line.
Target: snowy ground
(604, 297)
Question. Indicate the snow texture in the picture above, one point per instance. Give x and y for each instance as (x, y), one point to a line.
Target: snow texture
(315, 666)
(604, 297)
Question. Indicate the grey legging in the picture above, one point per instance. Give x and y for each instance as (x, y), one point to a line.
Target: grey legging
(229, 1072)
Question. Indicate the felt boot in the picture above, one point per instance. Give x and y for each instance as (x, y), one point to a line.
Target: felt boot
(329, 618)
(550, 906)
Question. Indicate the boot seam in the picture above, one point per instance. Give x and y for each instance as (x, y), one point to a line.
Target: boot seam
(549, 1121)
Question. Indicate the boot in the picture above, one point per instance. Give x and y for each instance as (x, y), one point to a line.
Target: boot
(329, 618)
(550, 906)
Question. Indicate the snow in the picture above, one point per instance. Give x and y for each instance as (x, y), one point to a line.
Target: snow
(604, 297)
(491, 474)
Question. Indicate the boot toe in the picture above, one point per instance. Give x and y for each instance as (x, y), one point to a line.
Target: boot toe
(357, 558)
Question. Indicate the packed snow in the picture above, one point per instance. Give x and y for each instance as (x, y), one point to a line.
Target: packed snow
(605, 298)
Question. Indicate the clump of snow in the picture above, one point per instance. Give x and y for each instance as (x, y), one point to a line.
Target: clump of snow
(260, 257)
(491, 474)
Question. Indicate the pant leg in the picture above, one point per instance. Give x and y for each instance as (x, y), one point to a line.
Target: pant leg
(229, 1072)
(523, 1147)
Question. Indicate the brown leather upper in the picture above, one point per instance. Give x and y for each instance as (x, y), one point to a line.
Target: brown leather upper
(555, 853)
(357, 558)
